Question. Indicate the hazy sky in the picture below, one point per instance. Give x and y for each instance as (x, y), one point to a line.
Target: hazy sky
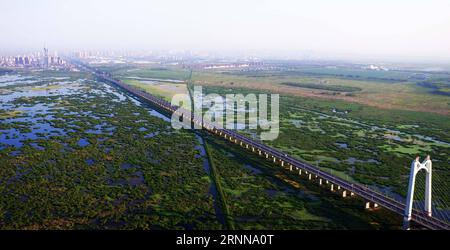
(413, 28)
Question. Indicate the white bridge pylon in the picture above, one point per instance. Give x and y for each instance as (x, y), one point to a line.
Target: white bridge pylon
(416, 166)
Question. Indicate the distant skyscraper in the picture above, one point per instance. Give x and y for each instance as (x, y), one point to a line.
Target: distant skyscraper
(45, 64)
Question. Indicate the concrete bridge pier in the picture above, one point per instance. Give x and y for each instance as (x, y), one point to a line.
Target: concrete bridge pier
(290, 167)
(368, 205)
(299, 171)
(332, 188)
(309, 177)
(320, 181)
(344, 193)
(406, 223)
(274, 159)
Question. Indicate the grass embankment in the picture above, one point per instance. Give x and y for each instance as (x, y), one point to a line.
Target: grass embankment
(214, 173)
(215, 178)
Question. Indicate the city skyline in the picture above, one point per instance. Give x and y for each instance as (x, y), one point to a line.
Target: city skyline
(406, 30)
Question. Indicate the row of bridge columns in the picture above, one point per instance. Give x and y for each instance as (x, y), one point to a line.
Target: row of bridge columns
(333, 187)
(309, 176)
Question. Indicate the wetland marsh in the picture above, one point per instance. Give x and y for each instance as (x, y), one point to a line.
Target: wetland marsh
(77, 153)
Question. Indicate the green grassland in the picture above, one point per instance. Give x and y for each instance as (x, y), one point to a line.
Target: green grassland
(151, 72)
(164, 90)
(399, 95)
(391, 90)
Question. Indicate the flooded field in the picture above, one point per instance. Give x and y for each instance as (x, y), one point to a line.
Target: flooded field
(77, 153)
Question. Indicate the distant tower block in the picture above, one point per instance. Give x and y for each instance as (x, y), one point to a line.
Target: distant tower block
(416, 166)
(45, 64)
